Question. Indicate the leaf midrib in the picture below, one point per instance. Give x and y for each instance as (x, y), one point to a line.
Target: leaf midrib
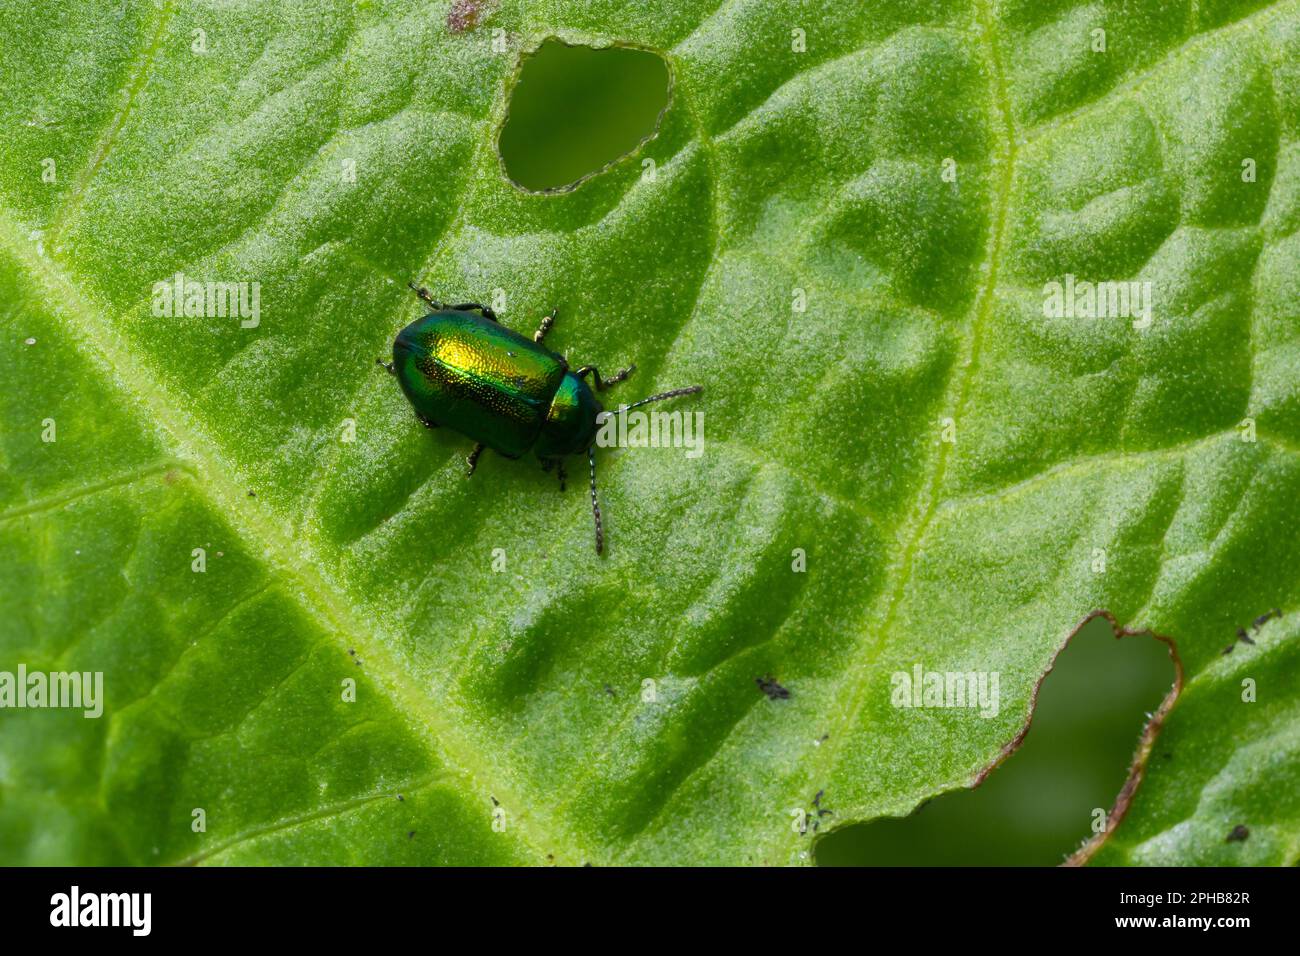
(267, 538)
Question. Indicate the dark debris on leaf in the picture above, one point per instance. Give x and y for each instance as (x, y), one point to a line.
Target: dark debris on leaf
(1265, 618)
(1243, 636)
(466, 15)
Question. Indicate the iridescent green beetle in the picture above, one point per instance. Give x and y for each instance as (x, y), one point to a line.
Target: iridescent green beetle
(508, 393)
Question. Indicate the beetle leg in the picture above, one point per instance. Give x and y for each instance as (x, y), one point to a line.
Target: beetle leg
(386, 366)
(427, 423)
(423, 293)
(472, 460)
(558, 465)
(602, 384)
(487, 313)
(545, 326)
(428, 299)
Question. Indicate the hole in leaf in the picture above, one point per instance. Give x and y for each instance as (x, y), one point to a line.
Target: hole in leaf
(575, 110)
(1040, 805)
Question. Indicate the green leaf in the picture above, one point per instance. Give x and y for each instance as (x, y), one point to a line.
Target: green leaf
(821, 171)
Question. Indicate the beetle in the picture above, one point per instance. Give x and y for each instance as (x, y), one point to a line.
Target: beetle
(460, 367)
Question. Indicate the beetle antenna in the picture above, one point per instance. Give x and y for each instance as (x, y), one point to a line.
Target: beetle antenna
(688, 390)
(595, 505)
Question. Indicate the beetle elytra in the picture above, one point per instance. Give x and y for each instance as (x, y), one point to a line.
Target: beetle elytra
(461, 368)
